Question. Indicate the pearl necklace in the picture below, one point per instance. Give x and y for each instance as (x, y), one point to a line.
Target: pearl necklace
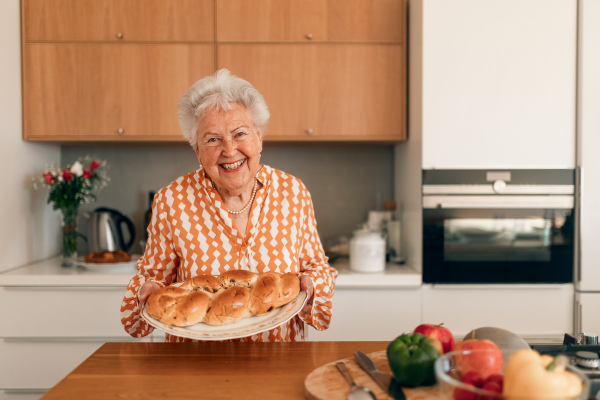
(249, 202)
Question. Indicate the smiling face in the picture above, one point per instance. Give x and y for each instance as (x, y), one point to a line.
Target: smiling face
(229, 147)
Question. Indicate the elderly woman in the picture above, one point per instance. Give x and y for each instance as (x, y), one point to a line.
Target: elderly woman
(232, 213)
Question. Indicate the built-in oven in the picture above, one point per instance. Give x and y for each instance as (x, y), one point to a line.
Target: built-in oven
(492, 226)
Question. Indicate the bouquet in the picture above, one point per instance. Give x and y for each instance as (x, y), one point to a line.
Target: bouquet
(68, 188)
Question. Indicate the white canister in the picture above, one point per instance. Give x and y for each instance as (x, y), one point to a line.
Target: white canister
(367, 252)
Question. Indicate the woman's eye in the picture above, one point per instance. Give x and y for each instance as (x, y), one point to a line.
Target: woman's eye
(211, 140)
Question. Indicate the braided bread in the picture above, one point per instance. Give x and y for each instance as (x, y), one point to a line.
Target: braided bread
(223, 299)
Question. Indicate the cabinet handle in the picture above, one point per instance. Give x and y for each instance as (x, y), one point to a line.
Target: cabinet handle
(119, 35)
(309, 36)
(309, 131)
(121, 130)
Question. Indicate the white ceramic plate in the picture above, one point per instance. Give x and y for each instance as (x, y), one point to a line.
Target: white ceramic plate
(109, 267)
(244, 327)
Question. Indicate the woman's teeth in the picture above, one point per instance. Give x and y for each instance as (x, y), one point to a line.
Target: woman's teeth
(233, 165)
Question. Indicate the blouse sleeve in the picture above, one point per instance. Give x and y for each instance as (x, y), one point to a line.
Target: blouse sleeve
(314, 264)
(158, 264)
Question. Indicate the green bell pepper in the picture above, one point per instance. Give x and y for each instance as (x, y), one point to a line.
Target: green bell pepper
(411, 358)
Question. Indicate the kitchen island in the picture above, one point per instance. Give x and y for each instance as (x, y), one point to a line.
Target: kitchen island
(210, 370)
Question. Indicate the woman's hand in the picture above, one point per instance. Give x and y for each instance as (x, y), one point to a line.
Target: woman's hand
(147, 289)
(306, 284)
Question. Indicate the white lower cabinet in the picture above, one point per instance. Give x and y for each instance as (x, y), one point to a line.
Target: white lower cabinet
(538, 313)
(48, 331)
(371, 314)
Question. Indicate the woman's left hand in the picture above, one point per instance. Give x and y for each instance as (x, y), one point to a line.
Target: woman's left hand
(306, 284)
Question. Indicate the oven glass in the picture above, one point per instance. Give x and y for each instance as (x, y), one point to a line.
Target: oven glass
(498, 245)
(497, 239)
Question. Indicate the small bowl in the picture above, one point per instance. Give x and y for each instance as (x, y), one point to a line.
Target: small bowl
(448, 375)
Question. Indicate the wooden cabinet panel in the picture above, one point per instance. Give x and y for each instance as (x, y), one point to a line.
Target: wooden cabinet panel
(135, 20)
(90, 92)
(340, 92)
(323, 20)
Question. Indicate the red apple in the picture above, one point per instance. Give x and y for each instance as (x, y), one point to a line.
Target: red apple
(438, 332)
(488, 361)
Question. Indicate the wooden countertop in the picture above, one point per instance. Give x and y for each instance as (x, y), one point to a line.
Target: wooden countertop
(209, 370)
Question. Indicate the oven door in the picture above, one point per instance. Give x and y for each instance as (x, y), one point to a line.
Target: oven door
(498, 239)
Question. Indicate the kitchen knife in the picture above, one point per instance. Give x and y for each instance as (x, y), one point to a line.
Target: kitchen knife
(385, 381)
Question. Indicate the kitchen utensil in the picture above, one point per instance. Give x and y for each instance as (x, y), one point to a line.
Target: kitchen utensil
(107, 233)
(385, 381)
(356, 392)
(323, 383)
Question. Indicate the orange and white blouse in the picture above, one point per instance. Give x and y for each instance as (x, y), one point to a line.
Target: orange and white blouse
(191, 233)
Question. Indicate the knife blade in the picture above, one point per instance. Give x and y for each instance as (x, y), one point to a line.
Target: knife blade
(385, 381)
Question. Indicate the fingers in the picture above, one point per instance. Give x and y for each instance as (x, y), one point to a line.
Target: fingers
(147, 289)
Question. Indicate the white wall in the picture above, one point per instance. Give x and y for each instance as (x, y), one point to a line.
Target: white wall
(29, 229)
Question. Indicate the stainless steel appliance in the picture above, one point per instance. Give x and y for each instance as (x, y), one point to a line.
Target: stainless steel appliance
(107, 233)
(498, 226)
(583, 352)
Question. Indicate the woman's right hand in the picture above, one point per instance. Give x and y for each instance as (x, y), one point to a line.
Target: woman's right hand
(147, 289)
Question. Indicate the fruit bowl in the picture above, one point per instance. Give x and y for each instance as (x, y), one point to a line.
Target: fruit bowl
(451, 367)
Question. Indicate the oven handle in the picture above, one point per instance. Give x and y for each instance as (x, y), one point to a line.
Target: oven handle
(541, 202)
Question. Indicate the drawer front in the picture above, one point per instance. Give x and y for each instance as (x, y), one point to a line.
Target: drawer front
(531, 311)
(381, 314)
(27, 364)
(40, 365)
(61, 312)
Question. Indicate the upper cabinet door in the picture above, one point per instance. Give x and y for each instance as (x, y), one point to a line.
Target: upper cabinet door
(364, 101)
(494, 83)
(119, 20)
(311, 20)
(109, 92)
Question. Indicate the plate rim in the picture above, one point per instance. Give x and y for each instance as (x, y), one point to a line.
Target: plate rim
(295, 305)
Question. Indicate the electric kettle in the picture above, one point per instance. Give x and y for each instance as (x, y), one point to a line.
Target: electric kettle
(106, 231)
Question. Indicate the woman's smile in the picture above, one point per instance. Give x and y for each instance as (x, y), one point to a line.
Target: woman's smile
(233, 166)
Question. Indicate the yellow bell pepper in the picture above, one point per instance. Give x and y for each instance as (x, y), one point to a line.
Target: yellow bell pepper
(530, 375)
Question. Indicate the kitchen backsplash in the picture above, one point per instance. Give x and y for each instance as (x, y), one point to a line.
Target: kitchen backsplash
(345, 181)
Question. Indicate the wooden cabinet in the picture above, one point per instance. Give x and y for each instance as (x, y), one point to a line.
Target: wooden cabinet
(109, 92)
(311, 20)
(114, 70)
(329, 70)
(323, 92)
(118, 20)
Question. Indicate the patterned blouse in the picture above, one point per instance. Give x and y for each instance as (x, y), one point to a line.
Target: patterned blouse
(191, 233)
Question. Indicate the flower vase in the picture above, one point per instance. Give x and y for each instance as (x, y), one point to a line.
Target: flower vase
(69, 236)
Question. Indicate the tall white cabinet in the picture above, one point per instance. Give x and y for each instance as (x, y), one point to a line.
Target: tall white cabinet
(588, 285)
(498, 83)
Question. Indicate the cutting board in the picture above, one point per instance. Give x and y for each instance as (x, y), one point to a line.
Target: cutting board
(326, 382)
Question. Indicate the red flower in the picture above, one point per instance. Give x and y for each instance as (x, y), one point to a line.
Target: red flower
(49, 178)
(67, 175)
(94, 165)
(87, 173)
